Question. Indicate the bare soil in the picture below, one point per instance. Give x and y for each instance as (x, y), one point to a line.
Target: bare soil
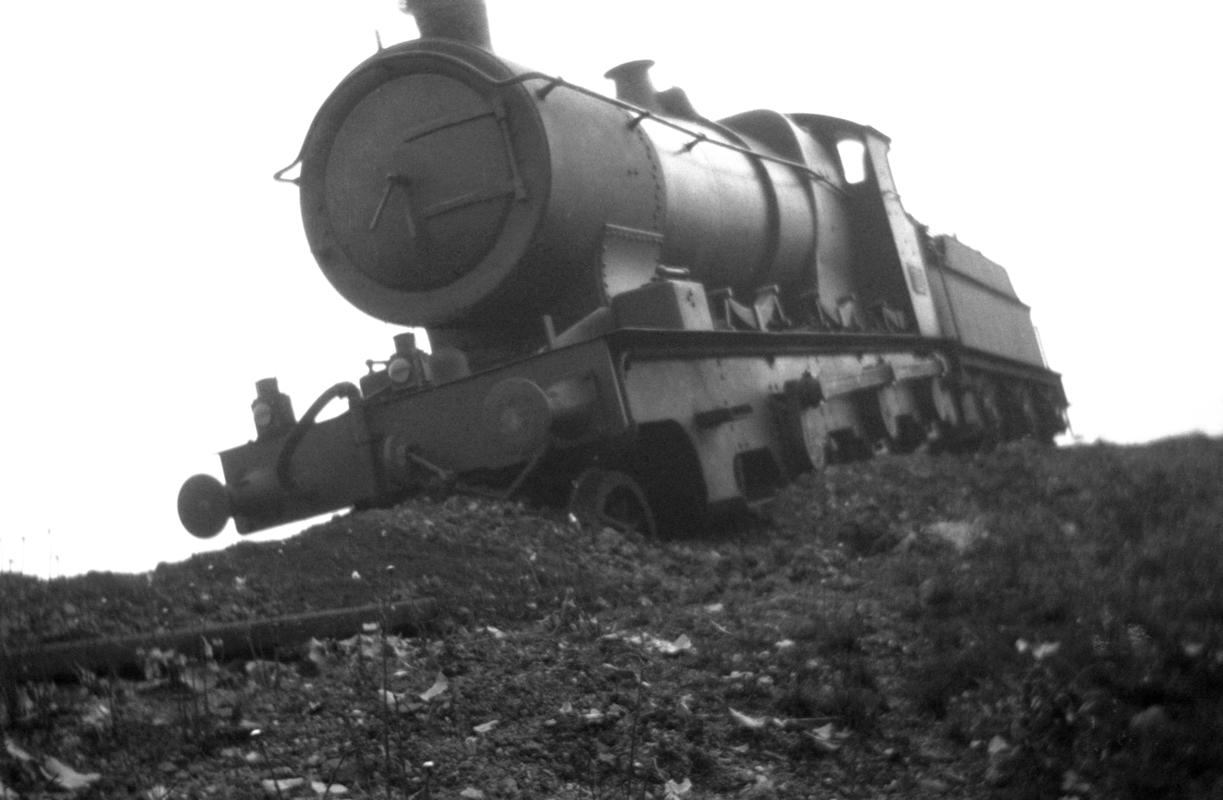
(1030, 622)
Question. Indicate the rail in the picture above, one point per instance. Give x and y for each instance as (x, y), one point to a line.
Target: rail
(266, 638)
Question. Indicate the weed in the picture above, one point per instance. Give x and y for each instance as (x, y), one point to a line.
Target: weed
(842, 632)
(10, 695)
(635, 725)
(957, 662)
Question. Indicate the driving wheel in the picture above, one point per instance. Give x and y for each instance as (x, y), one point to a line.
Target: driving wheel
(612, 499)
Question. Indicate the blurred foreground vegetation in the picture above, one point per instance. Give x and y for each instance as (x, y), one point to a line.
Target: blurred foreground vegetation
(1028, 622)
(1067, 607)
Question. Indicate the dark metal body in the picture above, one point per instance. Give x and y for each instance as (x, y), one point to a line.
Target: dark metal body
(620, 293)
(447, 188)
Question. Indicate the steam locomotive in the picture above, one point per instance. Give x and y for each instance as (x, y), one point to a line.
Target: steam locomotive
(632, 309)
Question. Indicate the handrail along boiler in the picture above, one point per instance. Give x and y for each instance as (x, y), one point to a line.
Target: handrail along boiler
(633, 308)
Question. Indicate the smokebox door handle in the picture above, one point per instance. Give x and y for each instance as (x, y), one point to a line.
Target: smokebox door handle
(392, 181)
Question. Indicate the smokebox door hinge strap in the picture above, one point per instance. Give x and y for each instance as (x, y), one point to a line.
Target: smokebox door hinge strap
(499, 113)
(438, 125)
(503, 123)
(394, 181)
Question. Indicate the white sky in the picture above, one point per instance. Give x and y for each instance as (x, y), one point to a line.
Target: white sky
(155, 270)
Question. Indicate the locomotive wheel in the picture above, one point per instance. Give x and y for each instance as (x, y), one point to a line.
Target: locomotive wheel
(981, 429)
(612, 499)
(943, 401)
(1047, 425)
(902, 419)
(664, 463)
(814, 437)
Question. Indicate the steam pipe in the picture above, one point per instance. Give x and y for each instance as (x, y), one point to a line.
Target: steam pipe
(283, 462)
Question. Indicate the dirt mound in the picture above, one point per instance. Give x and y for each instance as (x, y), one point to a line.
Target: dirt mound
(1030, 622)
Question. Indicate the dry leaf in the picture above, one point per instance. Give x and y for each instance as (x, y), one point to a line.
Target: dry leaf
(15, 751)
(681, 643)
(1045, 649)
(743, 720)
(275, 787)
(329, 789)
(822, 738)
(316, 654)
(439, 685)
(391, 700)
(201, 678)
(65, 776)
(97, 715)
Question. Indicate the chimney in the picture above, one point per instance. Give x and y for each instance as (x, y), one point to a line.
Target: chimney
(461, 20)
(633, 84)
